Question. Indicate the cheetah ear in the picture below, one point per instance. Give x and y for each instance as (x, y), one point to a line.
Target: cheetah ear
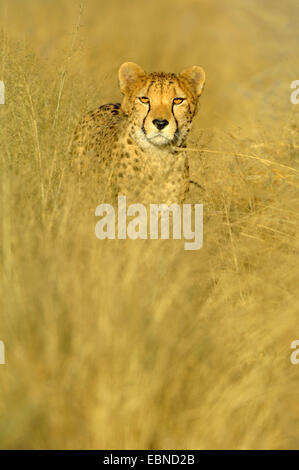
(196, 76)
(128, 75)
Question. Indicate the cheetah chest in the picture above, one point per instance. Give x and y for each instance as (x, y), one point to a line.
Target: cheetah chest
(149, 176)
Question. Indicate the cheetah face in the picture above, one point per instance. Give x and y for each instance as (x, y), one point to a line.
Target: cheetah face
(161, 106)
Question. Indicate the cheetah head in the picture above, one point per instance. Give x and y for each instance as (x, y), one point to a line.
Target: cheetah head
(160, 106)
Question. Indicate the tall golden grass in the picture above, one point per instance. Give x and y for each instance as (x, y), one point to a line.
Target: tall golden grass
(140, 344)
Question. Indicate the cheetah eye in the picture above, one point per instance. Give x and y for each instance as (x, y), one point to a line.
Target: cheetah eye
(144, 99)
(178, 100)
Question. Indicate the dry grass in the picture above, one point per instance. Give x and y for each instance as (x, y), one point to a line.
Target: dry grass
(141, 344)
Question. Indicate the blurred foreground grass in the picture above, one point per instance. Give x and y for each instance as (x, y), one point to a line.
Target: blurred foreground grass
(140, 344)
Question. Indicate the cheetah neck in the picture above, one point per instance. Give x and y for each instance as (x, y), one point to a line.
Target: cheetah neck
(147, 172)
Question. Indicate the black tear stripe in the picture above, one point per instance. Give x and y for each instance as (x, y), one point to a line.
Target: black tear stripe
(176, 122)
(149, 106)
(143, 122)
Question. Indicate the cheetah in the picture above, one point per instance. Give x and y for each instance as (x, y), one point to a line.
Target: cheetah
(139, 144)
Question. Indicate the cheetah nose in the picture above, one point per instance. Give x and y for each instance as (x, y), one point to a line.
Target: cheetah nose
(160, 123)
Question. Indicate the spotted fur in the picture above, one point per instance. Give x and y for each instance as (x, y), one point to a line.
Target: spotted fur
(140, 142)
